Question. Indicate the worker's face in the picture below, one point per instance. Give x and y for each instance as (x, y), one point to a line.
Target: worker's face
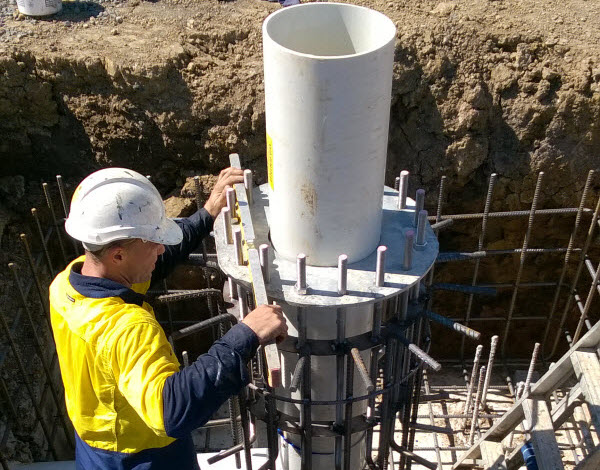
(138, 259)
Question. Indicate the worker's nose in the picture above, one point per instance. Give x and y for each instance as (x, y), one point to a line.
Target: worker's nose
(161, 249)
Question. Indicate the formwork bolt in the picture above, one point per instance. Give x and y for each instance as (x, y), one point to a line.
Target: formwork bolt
(301, 287)
(230, 195)
(380, 269)
(408, 249)
(237, 245)
(263, 255)
(402, 189)
(342, 274)
(419, 205)
(421, 224)
(227, 224)
(248, 185)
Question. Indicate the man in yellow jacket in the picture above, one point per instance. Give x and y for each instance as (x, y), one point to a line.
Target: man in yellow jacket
(131, 406)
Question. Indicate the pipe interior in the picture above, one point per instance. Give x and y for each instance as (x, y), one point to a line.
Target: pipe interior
(330, 29)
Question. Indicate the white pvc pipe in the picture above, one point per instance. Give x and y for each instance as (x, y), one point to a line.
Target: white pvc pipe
(328, 79)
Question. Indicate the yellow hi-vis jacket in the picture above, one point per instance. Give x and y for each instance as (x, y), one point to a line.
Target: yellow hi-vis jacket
(131, 406)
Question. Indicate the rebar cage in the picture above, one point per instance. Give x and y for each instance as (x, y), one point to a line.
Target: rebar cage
(396, 379)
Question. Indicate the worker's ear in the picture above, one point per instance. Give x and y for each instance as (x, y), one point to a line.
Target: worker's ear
(117, 254)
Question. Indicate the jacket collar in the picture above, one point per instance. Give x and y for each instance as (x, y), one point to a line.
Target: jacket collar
(100, 288)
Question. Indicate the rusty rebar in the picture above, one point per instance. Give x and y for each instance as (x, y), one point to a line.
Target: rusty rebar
(490, 365)
(475, 418)
(55, 221)
(34, 213)
(567, 258)
(65, 205)
(41, 293)
(511, 309)
(471, 386)
(486, 211)
(56, 396)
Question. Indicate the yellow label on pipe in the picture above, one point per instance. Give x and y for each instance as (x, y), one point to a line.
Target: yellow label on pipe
(270, 161)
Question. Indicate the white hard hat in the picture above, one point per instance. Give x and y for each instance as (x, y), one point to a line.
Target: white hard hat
(117, 204)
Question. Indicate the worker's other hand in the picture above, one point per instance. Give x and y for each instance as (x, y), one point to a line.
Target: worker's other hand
(268, 323)
(217, 200)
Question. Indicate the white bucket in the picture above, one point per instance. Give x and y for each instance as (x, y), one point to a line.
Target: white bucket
(39, 7)
(328, 80)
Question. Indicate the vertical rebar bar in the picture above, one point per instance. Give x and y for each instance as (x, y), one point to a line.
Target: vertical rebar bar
(55, 221)
(436, 443)
(339, 391)
(28, 386)
(34, 213)
(38, 284)
(534, 355)
(197, 192)
(484, 222)
(348, 413)
(588, 242)
(567, 258)
(65, 205)
(476, 405)
(56, 396)
(588, 304)
(490, 365)
(471, 386)
(513, 300)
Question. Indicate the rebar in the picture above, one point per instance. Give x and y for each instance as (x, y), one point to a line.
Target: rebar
(490, 365)
(588, 304)
(362, 370)
(198, 192)
(65, 205)
(471, 386)
(41, 294)
(34, 213)
(443, 224)
(513, 300)
(484, 222)
(28, 386)
(479, 215)
(56, 396)
(565, 265)
(54, 221)
(474, 420)
(453, 325)
(534, 355)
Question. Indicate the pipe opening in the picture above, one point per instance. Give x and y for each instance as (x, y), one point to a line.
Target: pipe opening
(329, 29)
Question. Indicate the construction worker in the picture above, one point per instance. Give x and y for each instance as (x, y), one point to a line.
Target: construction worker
(131, 405)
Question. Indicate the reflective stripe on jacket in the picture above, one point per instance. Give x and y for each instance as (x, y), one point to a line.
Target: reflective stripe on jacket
(131, 406)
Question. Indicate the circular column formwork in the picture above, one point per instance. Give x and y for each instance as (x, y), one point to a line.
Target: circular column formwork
(321, 309)
(328, 78)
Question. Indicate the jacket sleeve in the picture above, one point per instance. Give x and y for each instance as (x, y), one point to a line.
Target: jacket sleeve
(193, 395)
(194, 229)
(173, 402)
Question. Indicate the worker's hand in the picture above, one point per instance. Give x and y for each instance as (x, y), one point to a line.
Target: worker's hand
(217, 200)
(268, 323)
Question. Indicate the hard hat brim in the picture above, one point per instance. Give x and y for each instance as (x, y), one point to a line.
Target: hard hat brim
(168, 233)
